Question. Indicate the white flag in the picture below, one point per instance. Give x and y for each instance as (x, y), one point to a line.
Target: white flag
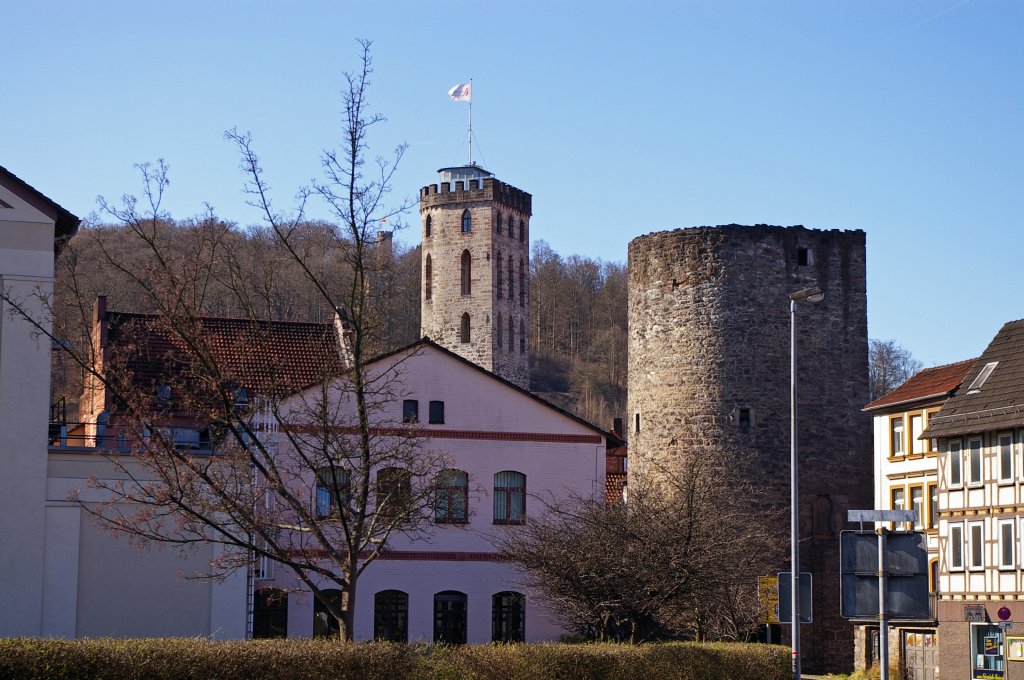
(460, 93)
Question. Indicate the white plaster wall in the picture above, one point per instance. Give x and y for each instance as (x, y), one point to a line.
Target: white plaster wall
(26, 268)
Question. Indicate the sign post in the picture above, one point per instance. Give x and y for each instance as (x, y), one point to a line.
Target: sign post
(882, 573)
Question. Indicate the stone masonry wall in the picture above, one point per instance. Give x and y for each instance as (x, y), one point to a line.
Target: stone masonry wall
(488, 304)
(709, 340)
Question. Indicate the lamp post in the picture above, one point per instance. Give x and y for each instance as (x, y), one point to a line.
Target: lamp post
(810, 295)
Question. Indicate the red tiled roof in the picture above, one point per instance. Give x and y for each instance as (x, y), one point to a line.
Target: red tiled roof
(265, 357)
(928, 383)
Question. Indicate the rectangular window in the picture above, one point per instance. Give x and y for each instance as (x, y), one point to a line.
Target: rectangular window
(974, 462)
(933, 444)
(917, 505)
(436, 413)
(1006, 544)
(955, 464)
(976, 545)
(933, 506)
(509, 497)
(956, 546)
(897, 501)
(1006, 457)
(410, 411)
(916, 428)
(896, 436)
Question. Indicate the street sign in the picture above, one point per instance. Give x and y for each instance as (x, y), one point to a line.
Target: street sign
(1004, 613)
(906, 567)
(786, 597)
(881, 515)
(975, 613)
(768, 598)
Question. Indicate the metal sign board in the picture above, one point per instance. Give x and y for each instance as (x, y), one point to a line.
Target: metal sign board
(768, 598)
(906, 568)
(786, 597)
(975, 613)
(881, 515)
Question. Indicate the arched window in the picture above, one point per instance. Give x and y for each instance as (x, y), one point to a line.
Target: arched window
(428, 226)
(501, 277)
(391, 616)
(467, 222)
(509, 497)
(497, 223)
(511, 280)
(269, 613)
(511, 335)
(332, 488)
(394, 492)
(522, 337)
(522, 231)
(451, 497)
(522, 285)
(500, 330)
(464, 328)
(428, 279)
(324, 624)
(467, 273)
(508, 614)
(450, 617)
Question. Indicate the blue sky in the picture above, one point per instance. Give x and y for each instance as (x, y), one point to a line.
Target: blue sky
(899, 117)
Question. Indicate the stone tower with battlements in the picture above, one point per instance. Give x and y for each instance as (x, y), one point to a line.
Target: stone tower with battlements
(475, 298)
(709, 376)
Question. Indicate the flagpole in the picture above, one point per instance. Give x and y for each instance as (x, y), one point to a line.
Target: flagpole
(471, 121)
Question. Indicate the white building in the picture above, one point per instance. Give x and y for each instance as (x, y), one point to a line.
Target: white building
(906, 478)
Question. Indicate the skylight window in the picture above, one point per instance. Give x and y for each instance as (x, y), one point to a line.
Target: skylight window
(982, 377)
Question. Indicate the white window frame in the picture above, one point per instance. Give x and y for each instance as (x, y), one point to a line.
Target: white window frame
(920, 508)
(1012, 540)
(916, 427)
(972, 540)
(955, 544)
(975, 473)
(955, 461)
(897, 433)
(1000, 439)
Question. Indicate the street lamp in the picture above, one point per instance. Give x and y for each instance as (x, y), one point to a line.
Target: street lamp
(810, 295)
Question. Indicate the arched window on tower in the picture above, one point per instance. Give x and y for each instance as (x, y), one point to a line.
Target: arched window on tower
(522, 285)
(467, 273)
(428, 279)
(497, 223)
(500, 333)
(467, 222)
(522, 232)
(427, 226)
(464, 328)
(522, 337)
(501, 277)
(511, 335)
(511, 281)
(511, 227)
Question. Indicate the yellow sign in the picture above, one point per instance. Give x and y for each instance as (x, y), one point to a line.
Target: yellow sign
(768, 598)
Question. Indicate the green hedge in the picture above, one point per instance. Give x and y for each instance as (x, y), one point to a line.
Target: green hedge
(329, 660)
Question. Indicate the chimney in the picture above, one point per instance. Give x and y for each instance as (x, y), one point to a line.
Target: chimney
(617, 427)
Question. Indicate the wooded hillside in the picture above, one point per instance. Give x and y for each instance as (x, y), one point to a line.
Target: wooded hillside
(578, 305)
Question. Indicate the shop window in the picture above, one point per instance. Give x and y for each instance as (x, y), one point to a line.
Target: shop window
(269, 614)
(324, 624)
(391, 616)
(987, 653)
(508, 613)
(450, 617)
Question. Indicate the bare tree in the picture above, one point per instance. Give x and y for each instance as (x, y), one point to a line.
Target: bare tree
(889, 366)
(307, 468)
(671, 562)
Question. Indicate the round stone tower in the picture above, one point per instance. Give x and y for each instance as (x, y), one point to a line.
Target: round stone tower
(475, 270)
(709, 375)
